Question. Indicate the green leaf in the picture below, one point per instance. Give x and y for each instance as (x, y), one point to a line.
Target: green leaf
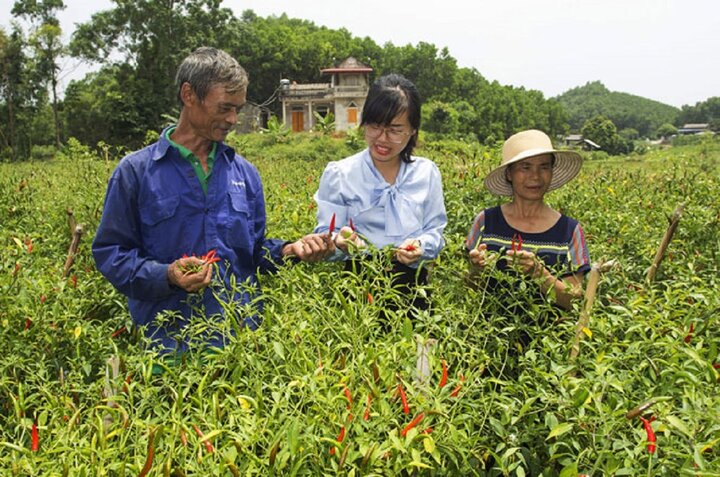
(569, 470)
(429, 444)
(559, 430)
(678, 424)
(581, 395)
(278, 348)
(407, 329)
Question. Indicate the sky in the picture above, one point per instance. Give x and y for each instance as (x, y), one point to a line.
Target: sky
(666, 50)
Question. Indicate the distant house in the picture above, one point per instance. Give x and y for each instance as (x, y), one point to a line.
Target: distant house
(694, 128)
(577, 140)
(344, 97)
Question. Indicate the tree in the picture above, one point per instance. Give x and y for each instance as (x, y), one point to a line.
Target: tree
(703, 112)
(22, 97)
(666, 130)
(630, 134)
(441, 118)
(48, 47)
(603, 131)
(151, 38)
(97, 108)
(45, 40)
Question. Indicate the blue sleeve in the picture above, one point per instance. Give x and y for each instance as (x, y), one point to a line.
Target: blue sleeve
(435, 217)
(117, 249)
(329, 201)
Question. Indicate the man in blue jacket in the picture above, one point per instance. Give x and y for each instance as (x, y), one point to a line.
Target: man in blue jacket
(188, 194)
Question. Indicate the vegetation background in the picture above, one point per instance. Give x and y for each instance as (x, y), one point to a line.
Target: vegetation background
(138, 46)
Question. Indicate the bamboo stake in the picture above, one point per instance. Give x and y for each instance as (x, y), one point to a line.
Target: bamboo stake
(422, 365)
(112, 371)
(674, 221)
(74, 245)
(72, 223)
(590, 293)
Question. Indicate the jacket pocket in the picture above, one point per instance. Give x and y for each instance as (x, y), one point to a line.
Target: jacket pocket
(156, 217)
(239, 223)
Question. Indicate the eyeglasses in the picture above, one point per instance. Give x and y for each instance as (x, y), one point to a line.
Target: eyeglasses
(393, 134)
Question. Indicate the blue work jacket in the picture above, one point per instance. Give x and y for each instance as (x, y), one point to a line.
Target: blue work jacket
(156, 211)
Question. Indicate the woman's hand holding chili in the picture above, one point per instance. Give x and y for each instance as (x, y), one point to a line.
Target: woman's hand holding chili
(527, 262)
(479, 256)
(409, 251)
(347, 239)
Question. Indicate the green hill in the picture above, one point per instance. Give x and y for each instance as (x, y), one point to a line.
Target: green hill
(625, 110)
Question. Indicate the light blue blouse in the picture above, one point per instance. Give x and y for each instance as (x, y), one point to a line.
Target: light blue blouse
(384, 214)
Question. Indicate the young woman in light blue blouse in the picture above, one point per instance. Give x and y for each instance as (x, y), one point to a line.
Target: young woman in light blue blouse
(390, 196)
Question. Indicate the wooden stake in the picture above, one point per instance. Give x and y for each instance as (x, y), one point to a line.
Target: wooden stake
(72, 223)
(674, 221)
(590, 292)
(112, 371)
(74, 245)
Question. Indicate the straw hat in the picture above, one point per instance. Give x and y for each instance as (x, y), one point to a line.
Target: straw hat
(529, 144)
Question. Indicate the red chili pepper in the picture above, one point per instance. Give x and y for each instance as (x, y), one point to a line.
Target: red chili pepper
(35, 438)
(210, 257)
(208, 444)
(716, 365)
(456, 391)
(28, 323)
(29, 244)
(444, 378)
(370, 298)
(17, 268)
(150, 455)
(412, 424)
(403, 398)
(410, 248)
(73, 280)
(207, 259)
(348, 396)
(340, 438)
(331, 229)
(366, 416)
(43, 298)
(516, 243)
(427, 430)
(352, 226)
(118, 332)
(689, 336)
(650, 434)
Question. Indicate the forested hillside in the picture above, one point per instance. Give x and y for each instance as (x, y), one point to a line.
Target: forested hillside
(625, 110)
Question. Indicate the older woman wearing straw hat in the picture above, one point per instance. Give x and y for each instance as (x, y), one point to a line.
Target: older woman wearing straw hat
(526, 233)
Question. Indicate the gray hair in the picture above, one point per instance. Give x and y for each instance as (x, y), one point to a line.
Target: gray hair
(206, 67)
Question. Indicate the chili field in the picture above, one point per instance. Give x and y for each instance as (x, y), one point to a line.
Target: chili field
(340, 378)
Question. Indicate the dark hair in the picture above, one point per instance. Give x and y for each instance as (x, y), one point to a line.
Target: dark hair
(389, 96)
(205, 67)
